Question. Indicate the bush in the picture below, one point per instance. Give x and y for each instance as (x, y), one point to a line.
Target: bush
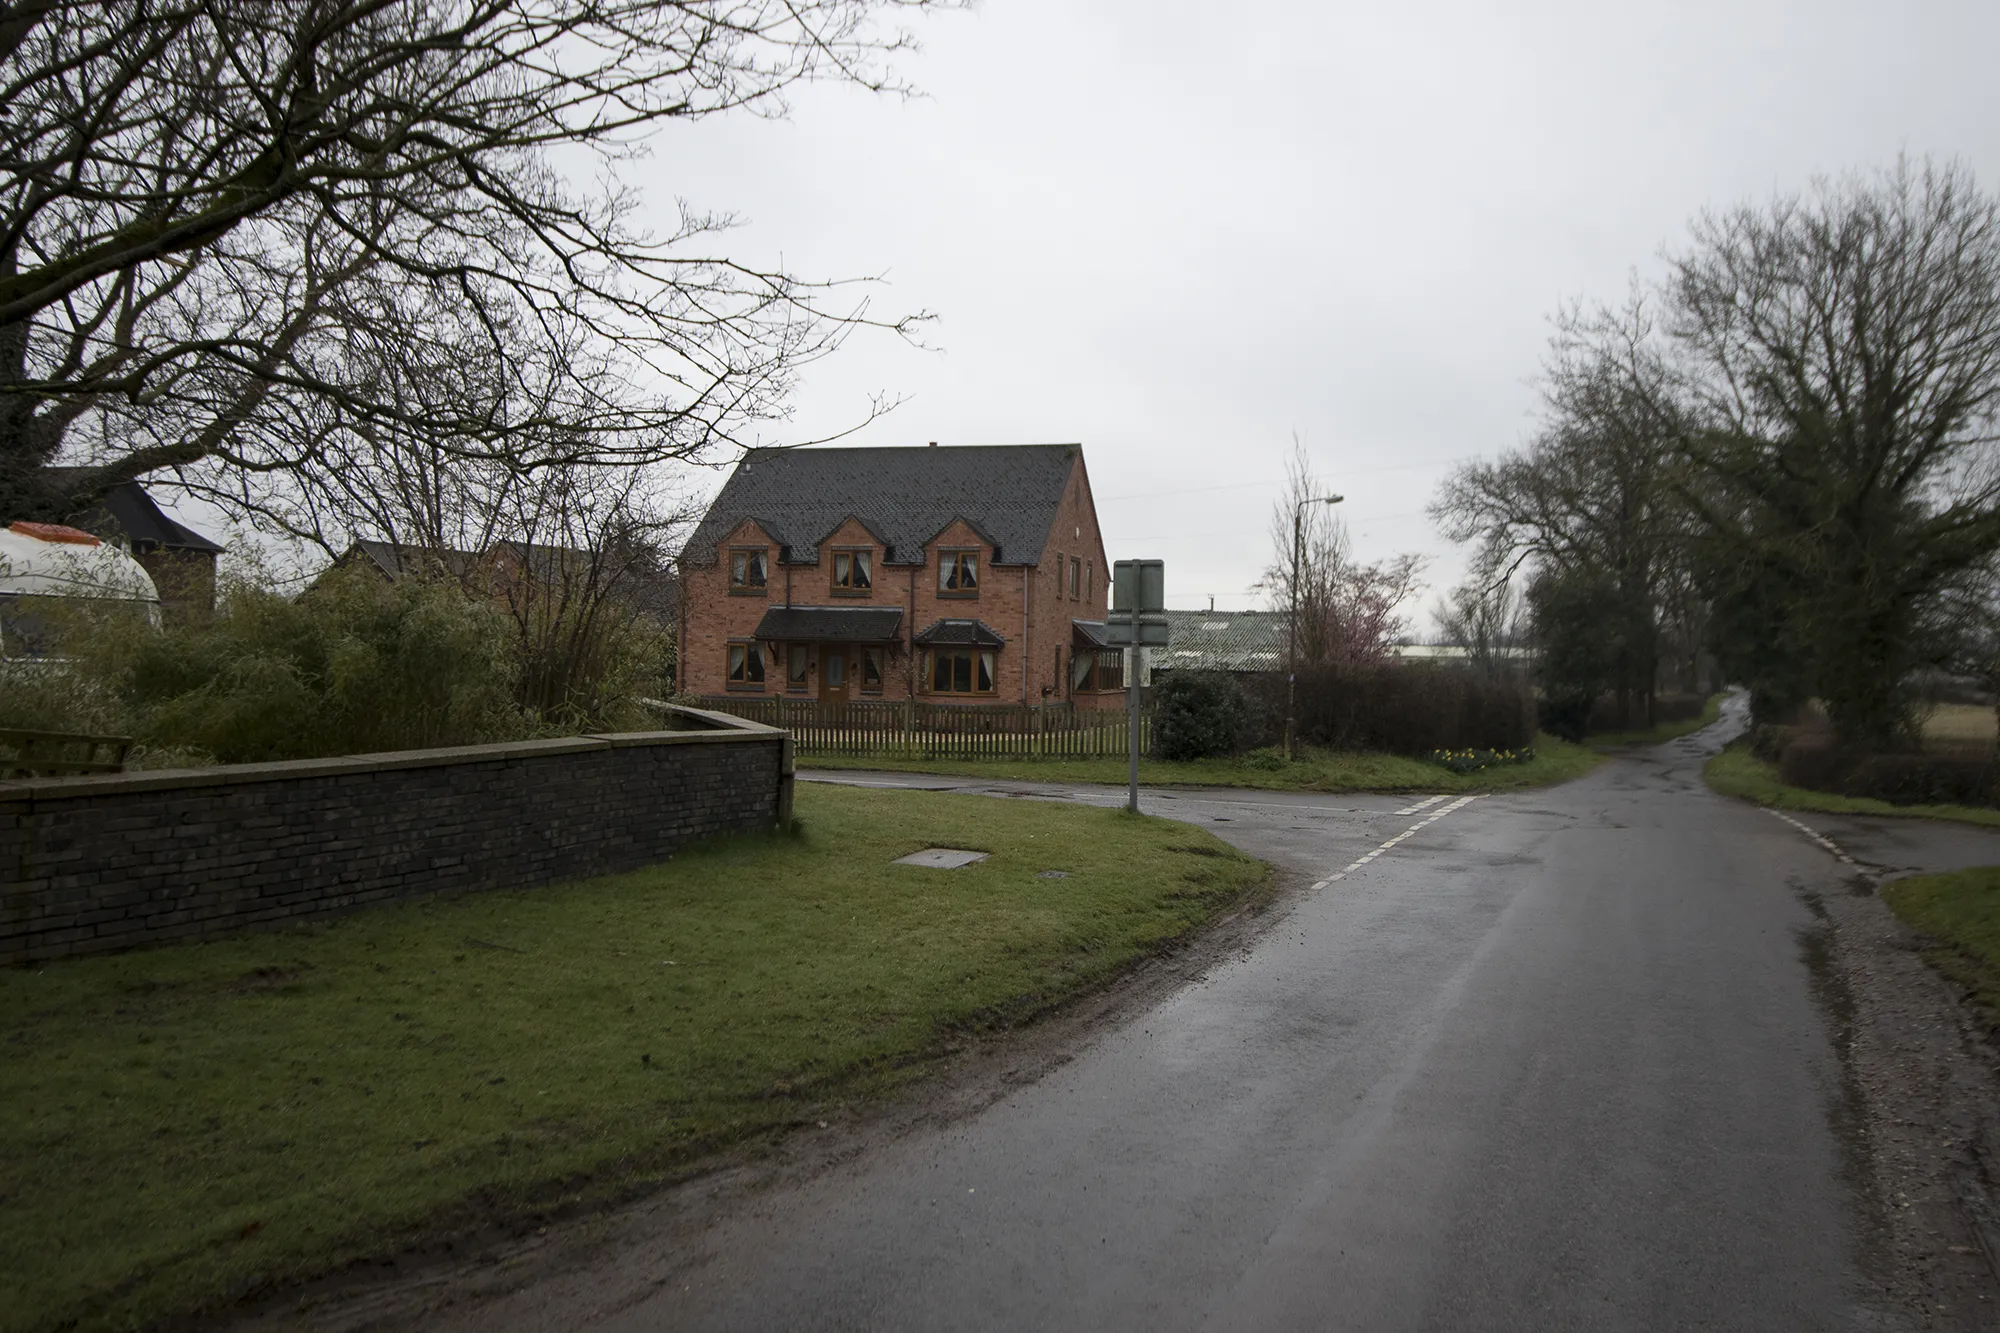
(1608, 714)
(1198, 714)
(1566, 714)
(1401, 708)
(1813, 760)
(352, 666)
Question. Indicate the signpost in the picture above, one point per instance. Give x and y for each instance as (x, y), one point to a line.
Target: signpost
(1138, 621)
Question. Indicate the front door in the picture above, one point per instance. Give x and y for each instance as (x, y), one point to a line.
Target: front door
(833, 676)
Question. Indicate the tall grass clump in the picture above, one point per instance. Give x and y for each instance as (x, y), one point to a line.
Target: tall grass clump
(351, 666)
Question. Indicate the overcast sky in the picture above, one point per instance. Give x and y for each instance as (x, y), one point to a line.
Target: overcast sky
(1178, 232)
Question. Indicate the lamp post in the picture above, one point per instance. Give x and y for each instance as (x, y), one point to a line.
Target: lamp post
(1292, 621)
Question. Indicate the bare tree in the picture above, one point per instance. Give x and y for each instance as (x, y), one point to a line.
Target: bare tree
(1839, 355)
(243, 242)
(1593, 496)
(1488, 619)
(1348, 612)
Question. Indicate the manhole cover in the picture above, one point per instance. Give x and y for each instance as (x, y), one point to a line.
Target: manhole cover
(940, 858)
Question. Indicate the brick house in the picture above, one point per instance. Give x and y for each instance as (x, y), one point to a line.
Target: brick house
(969, 575)
(180, 560)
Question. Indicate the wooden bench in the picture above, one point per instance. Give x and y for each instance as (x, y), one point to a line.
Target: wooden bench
(60, 754)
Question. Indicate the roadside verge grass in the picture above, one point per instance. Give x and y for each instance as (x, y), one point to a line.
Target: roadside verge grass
(1711, 711)
(185, 1125)
(1737, 772)
(1265, 770)
(1959, 910)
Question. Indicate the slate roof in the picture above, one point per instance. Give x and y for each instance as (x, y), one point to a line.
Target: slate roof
(394, 559)
(976, 633)
(838, 624)
(1008, 492)
(1223, 641)
(144, 523)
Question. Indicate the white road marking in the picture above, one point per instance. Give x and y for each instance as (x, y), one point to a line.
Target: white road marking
(1413, 809)
(1822, 840)
(1423, 823)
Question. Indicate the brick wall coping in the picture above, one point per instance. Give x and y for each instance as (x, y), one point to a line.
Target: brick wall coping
(714, 727)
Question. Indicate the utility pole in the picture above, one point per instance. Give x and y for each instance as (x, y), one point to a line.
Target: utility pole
(1292, 620)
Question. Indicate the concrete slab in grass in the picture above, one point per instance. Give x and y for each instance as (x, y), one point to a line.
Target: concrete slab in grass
(940, 858)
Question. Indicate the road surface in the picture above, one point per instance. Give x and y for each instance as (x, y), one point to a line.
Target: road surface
(1554, 1060)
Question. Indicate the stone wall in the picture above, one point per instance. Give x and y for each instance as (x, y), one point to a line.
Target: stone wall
(94, 864)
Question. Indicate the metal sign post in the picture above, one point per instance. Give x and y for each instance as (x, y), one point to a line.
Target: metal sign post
(1138, 620)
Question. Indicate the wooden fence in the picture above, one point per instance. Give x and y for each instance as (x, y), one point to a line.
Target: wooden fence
(916, 730)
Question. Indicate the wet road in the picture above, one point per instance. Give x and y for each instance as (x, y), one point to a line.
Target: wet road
(1555, 1060)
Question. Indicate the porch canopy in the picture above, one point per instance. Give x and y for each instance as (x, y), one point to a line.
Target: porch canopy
(831, 624)
(959, 634)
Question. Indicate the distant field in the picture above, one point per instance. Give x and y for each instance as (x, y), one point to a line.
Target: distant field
(1961, 724)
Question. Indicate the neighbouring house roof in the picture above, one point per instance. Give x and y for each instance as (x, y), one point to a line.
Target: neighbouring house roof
(1091, 632)
(395, 559)
(956, 633)
(135, 513)
(835, 624)
(1009, 493)
(1223, 641)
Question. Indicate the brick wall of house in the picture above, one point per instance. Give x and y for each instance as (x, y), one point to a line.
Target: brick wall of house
(1028, 605)
(89, 865)
(1074, 535)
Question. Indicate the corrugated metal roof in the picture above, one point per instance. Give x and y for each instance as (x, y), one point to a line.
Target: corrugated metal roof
(839, 624)
(1223, 641)
(1008, 492)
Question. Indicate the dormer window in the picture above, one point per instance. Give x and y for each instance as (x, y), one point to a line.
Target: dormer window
(853, 571)
(749, 570)
(958, 573)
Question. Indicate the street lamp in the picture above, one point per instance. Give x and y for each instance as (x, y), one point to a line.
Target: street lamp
(1292, 647)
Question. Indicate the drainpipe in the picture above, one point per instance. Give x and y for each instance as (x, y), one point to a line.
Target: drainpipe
(1027, 596)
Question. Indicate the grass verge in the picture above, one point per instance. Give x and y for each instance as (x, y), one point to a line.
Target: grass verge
(1315, 770)
(1711, 710)
(185, 1125)
(1737, 772)
(1959, 910)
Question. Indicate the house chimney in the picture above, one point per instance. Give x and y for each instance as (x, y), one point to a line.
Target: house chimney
(1211, 603)
(933, 444)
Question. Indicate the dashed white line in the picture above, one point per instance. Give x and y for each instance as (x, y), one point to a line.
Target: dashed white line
(1420, 805)
(1822, 840)
(1425, 822)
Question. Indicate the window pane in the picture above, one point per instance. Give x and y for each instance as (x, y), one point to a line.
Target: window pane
(941, 680)
(871, 668)
(796, 667)
(756, 569)
(843, 566)
(968, 573)
(947, 573)
(861, 562)
(739, 564)
(756, 661)
(961, 672)
(737, 661)
(986, 672)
